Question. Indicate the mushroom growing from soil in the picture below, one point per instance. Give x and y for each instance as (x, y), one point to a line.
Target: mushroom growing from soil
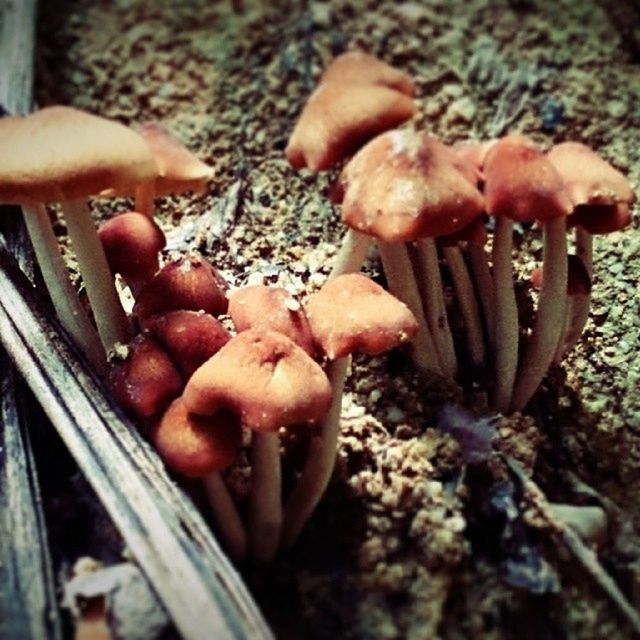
(200, 446)
(46, 158)
(350, 314)
(521, 184)
(132, 242)
(270, 382)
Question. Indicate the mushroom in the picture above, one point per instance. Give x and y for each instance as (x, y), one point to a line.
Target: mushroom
(270, 383)
(131, 242)
(189, 283)
(46, 158)
(350, 314)
(200, 446)
(521, 184)
(179, 169)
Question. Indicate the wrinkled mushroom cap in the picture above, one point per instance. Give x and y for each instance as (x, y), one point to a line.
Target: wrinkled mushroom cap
(265, 378)
(351, 313)
(270, 308)
(362, 68)
(339, 117)
(196, 445)
(179, 169)
(521, 183)
(131, 242)
(189, 283)
(403, 186)
(61, 153)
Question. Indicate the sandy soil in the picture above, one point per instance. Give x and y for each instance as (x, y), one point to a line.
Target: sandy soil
(391, 553)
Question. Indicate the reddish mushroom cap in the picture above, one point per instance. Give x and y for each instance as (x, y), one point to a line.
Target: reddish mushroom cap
(270, 308)
(339, 117)
(521, 183)
(403, 186)
(599, 219)
(146, 380)
(189, 283)
(351, 313)
(474, 233)
(195, 445)
(578, 281)
(473, 153)
(189, 337)
(362, 68)
(131, 242)
(265, 378)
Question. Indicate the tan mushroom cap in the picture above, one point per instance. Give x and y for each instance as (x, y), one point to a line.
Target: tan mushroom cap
(271, 308)
(60, 153)
(351, 313)
(362, 68)
(403, 186)
(521, 183)
(180, 170)
(339, 117)
(196, 445)
(265, 378)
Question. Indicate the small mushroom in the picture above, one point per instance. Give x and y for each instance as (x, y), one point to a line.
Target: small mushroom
(351, 313)
(200, 446)
(131, 242)
(270, 382)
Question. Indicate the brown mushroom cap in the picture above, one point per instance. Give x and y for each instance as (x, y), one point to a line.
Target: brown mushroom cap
(131, 242)
(599, 219)
(196, 445)
(362, 68)
(578, 280)
(339, 117)
(521, 183)
(189, 337)
(180, 170)
(265, 378)
(351, 313)
(270, 308)
(146, 380)
(474, 233)
(403, 186)
(189, 283)
(59, 154)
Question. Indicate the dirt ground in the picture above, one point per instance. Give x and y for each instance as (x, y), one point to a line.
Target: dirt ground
(403, 545)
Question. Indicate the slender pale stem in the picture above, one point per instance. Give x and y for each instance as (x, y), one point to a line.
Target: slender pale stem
(352, 253)
(265, 501)
(65, 300)
(110, 317)
(549, 323)
(320, 461)
(481, 273)
(566, 328)
(227, 518)
(467, 303)
(402, 284)
(429, 281)
(506, 327)
(144, 196)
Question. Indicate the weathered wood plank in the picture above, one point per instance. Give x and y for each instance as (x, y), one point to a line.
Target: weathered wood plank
(168, 538)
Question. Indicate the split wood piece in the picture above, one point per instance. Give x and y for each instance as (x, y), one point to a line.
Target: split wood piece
(349, 314)
(164, 533)
(202, 447)
(270, 382)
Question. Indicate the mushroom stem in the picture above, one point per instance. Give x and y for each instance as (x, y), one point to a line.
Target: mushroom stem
(467, 302)
(227, 518)
(402, 284)
(144, 196)
(506, 327)
(481, 273)
(430, 287)
(265, 502)
(110, 317)
(320, 460)
(65, 300)
(352, 253)
(566, 328)
(550, 316)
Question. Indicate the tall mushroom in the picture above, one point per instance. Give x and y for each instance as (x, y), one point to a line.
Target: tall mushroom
(270, 383)
(349, 314)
